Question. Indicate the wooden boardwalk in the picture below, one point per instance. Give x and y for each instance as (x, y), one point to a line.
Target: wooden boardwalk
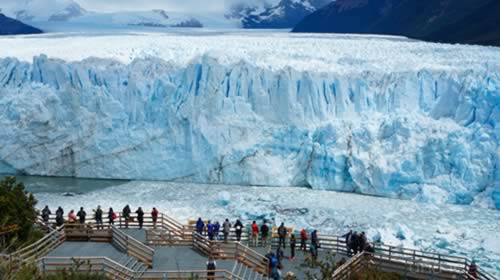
(174, 251)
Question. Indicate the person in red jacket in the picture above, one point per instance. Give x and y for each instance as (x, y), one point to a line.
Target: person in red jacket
(303, 240)
(154, 215)
(255, 233)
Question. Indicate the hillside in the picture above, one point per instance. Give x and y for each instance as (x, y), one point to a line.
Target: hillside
(9, 26)
(457, 21)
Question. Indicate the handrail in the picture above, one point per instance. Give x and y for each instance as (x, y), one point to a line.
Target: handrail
(40, 248)
(180, 235)
(231, 250)
(133, 247)
(347, 269)
(118, 271)
(8, 229)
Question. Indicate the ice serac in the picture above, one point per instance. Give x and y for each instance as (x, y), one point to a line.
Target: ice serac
(428, 135)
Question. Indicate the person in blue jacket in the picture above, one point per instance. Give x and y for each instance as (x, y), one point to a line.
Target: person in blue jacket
(210, 230)
(216, 230)
(199, 226)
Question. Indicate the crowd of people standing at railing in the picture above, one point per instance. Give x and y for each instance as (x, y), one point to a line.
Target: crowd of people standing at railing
(81, 216)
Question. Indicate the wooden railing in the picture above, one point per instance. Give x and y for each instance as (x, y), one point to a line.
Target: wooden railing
(353, 265)
(481, 274)
(231, 251)
(408, 265)
(115, 270)
(133, 247)
(8, 229)
(88, 232)
(40, 248)
(110, 268)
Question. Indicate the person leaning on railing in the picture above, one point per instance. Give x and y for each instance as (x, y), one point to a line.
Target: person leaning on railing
(264, 230)
(226, 229)
(255, 233)
(126, 214)
(154, 216)
(59, 216)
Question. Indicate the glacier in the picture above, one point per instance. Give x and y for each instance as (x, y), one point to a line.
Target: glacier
(372, 115)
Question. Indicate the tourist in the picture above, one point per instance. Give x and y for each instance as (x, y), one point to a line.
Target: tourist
(226, 229)
(363, 242)
(303, 239)
(199, 226)
(72, 216)
(314, 244)
(472, 271)
(216, 230)
(348, 241)
(282, 235)
(238, 226)
(264, 231)
(111, 216)
(46, 214)
(126, 215)
(98, 217)
(211, 267)
(154, 216)
(274, 267)
(293, 243)
(255, 233)
(140, 216)
(210, 230)
(355, 242)
(59, 216)
(81, 215)
(280, 255)
(269, 257)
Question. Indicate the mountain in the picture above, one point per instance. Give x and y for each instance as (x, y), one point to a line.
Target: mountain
(449, 21)
(285, 14)
(43, 10)
(9, 26)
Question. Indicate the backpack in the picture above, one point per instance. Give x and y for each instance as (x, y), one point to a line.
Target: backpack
(274, 261)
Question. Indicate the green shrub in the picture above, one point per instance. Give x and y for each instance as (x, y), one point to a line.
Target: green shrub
(17, 207)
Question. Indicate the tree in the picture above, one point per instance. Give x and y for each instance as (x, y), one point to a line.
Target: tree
(17, 207)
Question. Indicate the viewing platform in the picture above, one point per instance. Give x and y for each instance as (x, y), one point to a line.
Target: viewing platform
(171, 250)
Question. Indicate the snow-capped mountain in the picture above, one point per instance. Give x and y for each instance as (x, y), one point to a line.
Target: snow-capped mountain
(284, 14)
(69, 15)
(43, 10)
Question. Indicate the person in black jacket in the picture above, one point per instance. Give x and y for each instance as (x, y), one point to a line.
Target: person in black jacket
(282, 235)
(111, 216)
(140, 216)
(238, 226)
(98, 217)
(46, 214)
(81, 215)
(264, 231)
(126, 215)
(59, 216)
(293, 243)
(348, 241)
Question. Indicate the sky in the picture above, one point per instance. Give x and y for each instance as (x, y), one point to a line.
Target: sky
(171, 5)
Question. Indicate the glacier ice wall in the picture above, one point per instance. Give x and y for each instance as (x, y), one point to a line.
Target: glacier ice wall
(430, 135)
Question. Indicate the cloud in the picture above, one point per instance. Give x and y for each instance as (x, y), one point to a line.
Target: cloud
(198, 6)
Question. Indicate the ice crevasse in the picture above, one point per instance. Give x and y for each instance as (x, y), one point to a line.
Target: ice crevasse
(427, 135)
